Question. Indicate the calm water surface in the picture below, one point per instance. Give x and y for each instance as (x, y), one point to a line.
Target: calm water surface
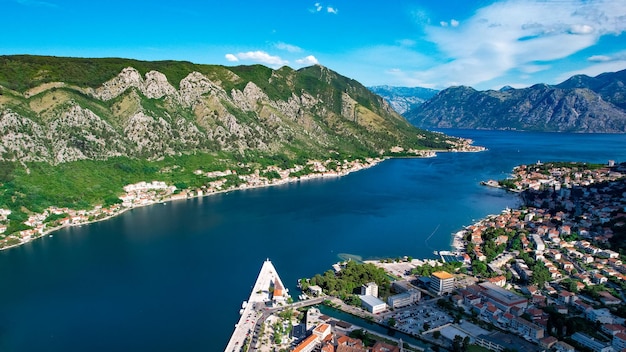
(172, 277)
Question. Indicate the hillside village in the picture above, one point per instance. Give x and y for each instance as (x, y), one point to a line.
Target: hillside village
(147, 193)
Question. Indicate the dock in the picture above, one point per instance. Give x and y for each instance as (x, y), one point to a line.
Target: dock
(267, 289)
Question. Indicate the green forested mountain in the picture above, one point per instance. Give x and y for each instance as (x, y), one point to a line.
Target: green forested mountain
(73, 131)
(65, 109)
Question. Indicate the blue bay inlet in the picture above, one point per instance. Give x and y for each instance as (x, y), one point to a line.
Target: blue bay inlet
(172, 277)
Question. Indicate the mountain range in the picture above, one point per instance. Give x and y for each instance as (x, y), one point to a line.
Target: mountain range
(59, 110)
(579, 104)
(404, 99)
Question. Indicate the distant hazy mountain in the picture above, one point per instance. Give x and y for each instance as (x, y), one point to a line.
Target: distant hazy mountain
(580, 104)
(403, 99)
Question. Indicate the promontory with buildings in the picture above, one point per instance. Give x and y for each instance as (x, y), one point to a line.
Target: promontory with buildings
(549, 276)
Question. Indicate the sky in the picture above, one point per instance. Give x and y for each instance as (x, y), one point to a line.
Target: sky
(425, 43)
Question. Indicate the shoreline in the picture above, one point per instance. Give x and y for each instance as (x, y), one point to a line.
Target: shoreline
(431, 153)
(172, 198)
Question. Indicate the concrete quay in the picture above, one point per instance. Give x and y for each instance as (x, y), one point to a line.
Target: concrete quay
(259, 297)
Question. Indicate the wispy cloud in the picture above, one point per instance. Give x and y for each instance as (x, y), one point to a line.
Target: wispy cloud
(307, 61)
(258, 57)
(515, 35)
(318, 7)
(620, 56)
(288, 47)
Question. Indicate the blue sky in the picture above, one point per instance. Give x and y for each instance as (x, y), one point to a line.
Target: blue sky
(427, 43)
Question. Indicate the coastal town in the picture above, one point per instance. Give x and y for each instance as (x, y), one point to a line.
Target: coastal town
(548, 276)
(155, 192)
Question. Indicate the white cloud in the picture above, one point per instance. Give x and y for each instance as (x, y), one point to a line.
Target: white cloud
(258, 56)
(619, 56)
(231, 58)
(318, 7)
(308, 61)
(599, 58)
(508, 35)
(581, 29)
(288, 47)
(453, 23)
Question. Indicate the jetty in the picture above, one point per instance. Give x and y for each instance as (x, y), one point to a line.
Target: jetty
(267, 291)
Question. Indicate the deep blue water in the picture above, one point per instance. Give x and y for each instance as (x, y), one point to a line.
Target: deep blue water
(172, 277)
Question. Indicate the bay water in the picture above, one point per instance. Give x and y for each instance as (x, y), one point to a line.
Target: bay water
(172, 277)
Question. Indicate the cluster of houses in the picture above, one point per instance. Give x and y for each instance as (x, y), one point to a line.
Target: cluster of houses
(146, 193)
(540, 176)
(328, 168)
(325, 338)
(554, 216)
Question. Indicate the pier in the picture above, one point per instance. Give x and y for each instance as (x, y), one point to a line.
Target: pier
(267, 288)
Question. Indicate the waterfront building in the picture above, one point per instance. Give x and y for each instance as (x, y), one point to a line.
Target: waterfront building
(591, 343)
(373, 304)
(441, 282)
(370, 289)
(315, 290)
(404, 299)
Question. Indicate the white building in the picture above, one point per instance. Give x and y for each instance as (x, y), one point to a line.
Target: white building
(539, 245)
(404, 298)
(373, 304)
(370, 289)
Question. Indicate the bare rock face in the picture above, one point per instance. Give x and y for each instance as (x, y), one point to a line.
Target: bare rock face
(156, 86)
(150, 136)
(250, 98)
(80, 134)
(129, 77)
(196, 85)
(21, 138)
